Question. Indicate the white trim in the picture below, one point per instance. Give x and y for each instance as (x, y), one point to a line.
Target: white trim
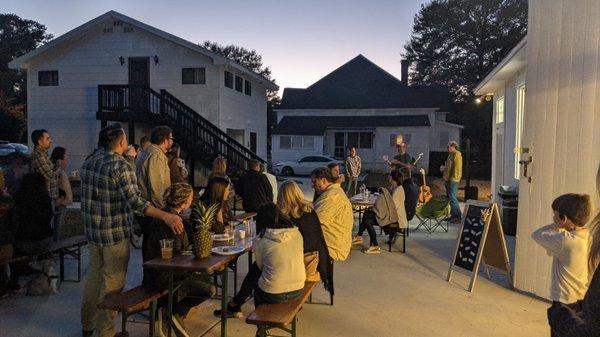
(450, 124)
(21, 62)
(516, 50)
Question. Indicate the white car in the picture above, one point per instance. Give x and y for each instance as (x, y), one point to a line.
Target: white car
(304, 165)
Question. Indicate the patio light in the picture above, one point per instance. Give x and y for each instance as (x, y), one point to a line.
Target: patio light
(122, 60)
(155, 58)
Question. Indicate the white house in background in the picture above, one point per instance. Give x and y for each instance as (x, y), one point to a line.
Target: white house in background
(63, 77)
(359, 104)
(506, 83)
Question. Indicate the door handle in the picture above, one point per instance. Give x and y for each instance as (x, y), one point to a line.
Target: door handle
(525, 163)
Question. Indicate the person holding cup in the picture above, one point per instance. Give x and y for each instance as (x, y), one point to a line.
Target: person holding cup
(161, 241)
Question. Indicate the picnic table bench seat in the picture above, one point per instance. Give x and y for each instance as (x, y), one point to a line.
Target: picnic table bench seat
(131, 302)
(280, 315)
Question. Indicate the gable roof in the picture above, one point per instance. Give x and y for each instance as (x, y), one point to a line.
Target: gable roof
(311, 125)
(361, 84)
(22, 61)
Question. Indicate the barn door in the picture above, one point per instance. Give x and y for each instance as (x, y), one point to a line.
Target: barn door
(139, 78)
(560, 144)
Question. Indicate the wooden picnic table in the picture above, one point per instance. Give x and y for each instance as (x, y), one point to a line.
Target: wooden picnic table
(214, 264)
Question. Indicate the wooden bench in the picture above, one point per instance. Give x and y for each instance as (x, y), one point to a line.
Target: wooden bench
(280, 315)
(69, 248)
(131, 302)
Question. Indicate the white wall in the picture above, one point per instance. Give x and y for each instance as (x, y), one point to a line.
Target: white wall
(279, 155)
(562, 120)
(240, 111)
(68, 111)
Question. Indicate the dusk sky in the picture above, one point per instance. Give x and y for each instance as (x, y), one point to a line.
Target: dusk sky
(301, 41)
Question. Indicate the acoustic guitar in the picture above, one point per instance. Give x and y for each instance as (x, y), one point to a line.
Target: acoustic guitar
(424, 191)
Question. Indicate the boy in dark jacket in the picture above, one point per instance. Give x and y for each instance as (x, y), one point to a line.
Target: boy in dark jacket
(254, 188)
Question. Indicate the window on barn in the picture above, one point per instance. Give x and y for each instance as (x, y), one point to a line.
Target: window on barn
(193, 76)
(229, 80)
(48, 78)
(239, 83)
(248, 88)
(365, 140)
(500, 110)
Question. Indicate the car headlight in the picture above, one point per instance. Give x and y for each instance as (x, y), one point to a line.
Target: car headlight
(279, 165)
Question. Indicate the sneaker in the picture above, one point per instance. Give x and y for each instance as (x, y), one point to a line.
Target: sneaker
(178, 327)
(233, 311)
(357, 240)
(372, 250)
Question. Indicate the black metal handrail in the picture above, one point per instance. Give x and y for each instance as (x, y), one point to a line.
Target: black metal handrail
(196, 134)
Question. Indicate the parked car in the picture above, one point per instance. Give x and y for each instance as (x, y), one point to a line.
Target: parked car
(7, 148)
(304, 165)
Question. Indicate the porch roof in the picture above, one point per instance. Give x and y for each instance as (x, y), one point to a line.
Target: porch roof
(316, 125)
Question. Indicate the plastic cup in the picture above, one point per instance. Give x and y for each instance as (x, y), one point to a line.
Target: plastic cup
(166, 249)
(241, 233)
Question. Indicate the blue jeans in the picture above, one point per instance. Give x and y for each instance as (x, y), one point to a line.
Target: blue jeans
(451, 193)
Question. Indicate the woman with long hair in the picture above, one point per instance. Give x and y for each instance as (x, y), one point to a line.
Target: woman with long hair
(177, 168)
(217, 192)
(292, 203)
(219, 168)
(566, 322)
(192, 289)
(65, 193)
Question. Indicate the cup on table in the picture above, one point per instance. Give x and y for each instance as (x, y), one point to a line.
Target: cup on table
(241, 233)
(166, 249)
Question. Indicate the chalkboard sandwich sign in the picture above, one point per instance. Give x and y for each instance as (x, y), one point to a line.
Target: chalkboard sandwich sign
(480, 237)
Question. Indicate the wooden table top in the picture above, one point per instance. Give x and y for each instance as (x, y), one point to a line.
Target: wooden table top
(208, 265)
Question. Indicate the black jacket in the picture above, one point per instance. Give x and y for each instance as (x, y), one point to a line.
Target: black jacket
(312, 234)
(156, 231)
(255, 189)
(411, 196)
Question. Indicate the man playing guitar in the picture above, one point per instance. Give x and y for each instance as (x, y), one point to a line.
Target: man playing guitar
(403, 161)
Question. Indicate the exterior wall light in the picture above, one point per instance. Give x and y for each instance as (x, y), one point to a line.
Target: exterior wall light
(122, 60)
(155, 58)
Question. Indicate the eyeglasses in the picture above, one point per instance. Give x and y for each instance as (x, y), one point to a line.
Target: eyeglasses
(171, 138)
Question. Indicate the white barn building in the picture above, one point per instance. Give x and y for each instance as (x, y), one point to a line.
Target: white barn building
(64, 75)
(359, 104)
(553, 124)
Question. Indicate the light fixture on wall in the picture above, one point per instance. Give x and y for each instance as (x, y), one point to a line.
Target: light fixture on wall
(155, 58)
(399, 139)
(122, 60)
(477, 100)
(488, 97)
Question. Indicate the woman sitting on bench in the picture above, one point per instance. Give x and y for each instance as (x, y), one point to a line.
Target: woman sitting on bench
(194, 289)
(278, 274)
(388, 212)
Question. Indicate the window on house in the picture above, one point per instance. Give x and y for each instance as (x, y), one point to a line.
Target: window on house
(239, 83)
(520, 122)
(308, 142)
(193, 76)
(296, 142)
(248, 88)
(107, 30)
(352, 139)
(48, 78)
(444, 138)
(127, 29)
(365, 140)
(229, 80)
(285, 142)
(500, 110)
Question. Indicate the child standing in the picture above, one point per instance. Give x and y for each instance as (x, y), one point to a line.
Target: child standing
(567, 241)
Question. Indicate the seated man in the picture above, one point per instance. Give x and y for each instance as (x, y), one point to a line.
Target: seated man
(335, 213)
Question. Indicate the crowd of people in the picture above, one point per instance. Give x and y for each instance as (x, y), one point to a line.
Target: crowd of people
(123, 184)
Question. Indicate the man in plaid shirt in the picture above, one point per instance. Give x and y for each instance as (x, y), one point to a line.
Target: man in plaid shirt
(110, 195)
(40, 161)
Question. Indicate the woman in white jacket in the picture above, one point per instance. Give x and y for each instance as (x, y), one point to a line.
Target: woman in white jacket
(279, 253)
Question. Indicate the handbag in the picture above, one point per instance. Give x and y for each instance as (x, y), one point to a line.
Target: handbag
(311, 261)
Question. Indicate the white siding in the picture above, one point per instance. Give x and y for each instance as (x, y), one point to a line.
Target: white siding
(562, 120)
(68, 111)
(279, 155)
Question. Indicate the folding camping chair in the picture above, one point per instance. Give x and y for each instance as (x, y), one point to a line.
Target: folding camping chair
(433, 214)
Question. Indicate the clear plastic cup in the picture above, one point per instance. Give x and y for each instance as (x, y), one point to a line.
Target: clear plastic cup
(166, 249)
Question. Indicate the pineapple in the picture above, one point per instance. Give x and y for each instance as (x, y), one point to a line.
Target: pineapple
(203, 218)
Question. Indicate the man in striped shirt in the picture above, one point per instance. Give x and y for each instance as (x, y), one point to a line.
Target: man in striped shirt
(110, 195)
(40, 161)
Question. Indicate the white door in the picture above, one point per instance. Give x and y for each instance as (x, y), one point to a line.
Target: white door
(561, 124)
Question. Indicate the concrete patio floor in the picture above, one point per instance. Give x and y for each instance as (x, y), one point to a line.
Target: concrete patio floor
(387, 294)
